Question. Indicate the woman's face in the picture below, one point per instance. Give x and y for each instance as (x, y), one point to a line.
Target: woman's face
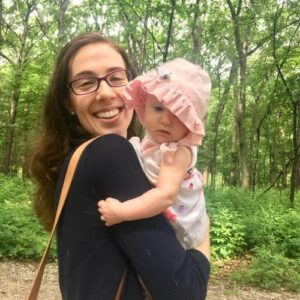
(102, 111)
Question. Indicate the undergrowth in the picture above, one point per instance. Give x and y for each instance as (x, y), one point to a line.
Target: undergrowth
(241, 223)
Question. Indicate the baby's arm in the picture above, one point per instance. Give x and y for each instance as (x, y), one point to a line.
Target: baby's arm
(172, 172)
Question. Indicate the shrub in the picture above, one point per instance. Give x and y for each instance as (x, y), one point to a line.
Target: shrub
(270, 231)
(270, 270)
(227, 228)
(289, 242)
(21, 236)
(263, 221)
(227, 233)
(14, 189)
(274, 225)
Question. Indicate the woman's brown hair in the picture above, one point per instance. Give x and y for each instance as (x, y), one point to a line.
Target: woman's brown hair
(60, 130)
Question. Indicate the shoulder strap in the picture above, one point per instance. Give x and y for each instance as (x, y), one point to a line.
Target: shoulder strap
(33, 294)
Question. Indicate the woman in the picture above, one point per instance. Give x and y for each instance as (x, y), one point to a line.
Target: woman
(84, 101)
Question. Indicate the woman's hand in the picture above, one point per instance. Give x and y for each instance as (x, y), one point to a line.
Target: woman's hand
(110, 211)
(204, 247)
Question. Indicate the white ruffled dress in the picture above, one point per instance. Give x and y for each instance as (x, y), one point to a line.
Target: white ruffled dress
(188, 214)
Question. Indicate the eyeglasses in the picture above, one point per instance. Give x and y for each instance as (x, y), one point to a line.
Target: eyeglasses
(89, 85)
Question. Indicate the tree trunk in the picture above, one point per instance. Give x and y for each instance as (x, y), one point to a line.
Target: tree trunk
(21, 56)
(215, 130)
(234, 164)
(1, 22)
(296, 129)
(295, 104)
(196, 33)
(296, 145)
(11, 122)
(144, 37)
(130, 39)
(241, 47)
(170, 28)
(272, 160)
(62, 8)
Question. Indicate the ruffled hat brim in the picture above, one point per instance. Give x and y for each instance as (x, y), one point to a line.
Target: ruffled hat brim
(175, 99)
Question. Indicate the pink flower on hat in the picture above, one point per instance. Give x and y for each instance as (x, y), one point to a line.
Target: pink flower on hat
(182, 87)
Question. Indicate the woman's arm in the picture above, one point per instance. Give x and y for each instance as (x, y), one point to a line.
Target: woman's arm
(91, 264)
(204, 247)
(172, 172)
(150, 245)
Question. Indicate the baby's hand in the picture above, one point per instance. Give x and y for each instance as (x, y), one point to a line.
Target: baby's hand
(110, 211)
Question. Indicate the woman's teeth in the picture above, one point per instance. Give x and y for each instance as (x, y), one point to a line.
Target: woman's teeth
(107, 114)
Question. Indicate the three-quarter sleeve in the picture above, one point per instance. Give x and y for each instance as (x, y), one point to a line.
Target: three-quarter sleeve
(167, 270)
(92, 257)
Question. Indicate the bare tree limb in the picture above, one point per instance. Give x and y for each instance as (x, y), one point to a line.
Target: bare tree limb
(169, 34)
(7, 58)
(150, 32)
(277, 178)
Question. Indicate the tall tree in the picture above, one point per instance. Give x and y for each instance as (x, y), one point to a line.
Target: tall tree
(293, 96)
(1, 21)
(170, 30)
(241, 44)
(62, 8)
(17, 54)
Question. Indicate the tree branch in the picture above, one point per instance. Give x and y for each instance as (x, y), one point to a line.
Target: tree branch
(140, 18)
(277, 178)
(169, 30)
(7, 58)
(239, 7)
(267, 38)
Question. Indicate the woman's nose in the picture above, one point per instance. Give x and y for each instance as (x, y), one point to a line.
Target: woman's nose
(105, 91)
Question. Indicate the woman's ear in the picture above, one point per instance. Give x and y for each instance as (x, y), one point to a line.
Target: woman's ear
(70, 108)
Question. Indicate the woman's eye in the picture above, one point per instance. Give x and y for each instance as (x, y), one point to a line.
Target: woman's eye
(85, 82)
(117, 79)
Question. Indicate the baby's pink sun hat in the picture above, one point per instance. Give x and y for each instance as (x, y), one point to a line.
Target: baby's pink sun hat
(182, 87)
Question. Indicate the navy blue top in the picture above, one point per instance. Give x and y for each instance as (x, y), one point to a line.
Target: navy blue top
(92, 257)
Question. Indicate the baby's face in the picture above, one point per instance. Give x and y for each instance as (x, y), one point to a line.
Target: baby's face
(161, 124)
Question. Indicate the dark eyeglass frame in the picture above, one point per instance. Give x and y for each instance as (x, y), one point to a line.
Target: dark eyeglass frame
(99, 79)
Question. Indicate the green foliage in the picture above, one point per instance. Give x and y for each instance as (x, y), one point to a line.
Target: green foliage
(262, 221)
(270, 270)
(227, 227)
(265, 227)
(227, 233)
(21, 236)
(14, 189)
(270, 226)
(240, 223)
(202, 32)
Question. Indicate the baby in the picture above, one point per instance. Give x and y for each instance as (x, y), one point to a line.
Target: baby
(170, 102)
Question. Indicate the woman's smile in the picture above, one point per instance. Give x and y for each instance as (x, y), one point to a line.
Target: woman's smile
(102, 111)
(109, 114)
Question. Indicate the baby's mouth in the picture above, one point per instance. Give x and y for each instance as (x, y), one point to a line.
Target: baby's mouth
(164, 131)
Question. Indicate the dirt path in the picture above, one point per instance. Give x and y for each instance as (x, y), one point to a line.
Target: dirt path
(16, 278)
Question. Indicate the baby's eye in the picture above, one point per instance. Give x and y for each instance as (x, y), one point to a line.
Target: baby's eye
(158, 108)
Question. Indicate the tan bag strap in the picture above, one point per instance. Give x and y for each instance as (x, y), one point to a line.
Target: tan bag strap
(120, 287)
(146, 295)
(33, 294)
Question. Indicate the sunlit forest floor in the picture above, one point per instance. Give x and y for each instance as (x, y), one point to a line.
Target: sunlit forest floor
(16, 278)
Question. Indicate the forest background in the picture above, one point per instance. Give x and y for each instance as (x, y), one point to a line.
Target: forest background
(251, 154)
